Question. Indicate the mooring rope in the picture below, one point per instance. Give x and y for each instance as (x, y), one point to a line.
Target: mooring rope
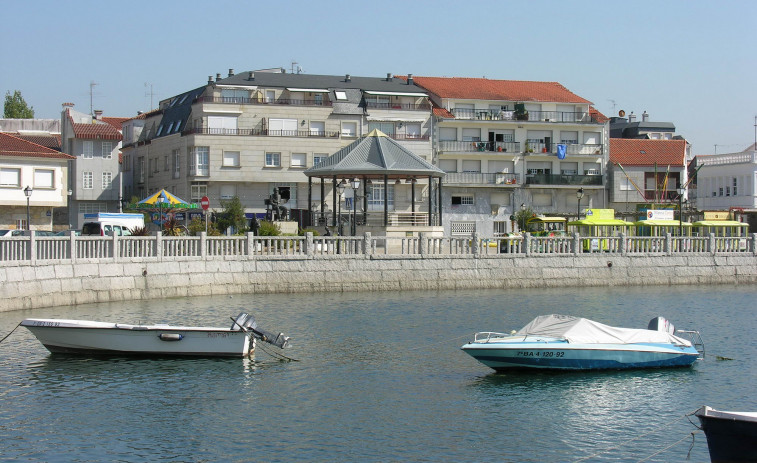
(273, 354)
(6, 336)
(639, 437)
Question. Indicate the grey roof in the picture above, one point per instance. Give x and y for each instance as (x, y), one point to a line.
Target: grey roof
(272, 79)
(375, 155)
(177, 112)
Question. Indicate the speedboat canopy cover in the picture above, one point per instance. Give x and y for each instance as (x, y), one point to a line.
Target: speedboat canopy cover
(585, 331)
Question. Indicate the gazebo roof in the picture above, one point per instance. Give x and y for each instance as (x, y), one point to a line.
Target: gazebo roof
(375, 155)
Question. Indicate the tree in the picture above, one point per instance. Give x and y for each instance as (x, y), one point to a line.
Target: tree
(16, 108)
(233, 216)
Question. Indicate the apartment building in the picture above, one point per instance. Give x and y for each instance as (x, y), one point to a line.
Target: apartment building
(727, 181)
(94, 174)
(507, 145)
(245, 134)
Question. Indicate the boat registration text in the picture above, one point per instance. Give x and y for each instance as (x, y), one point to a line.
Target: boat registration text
(548, 353)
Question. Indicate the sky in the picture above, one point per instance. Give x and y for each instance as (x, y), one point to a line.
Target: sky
(692, 63)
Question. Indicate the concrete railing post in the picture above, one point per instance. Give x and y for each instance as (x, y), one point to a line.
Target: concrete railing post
(527, 244)
(623, 245)
(203, 245)
(754, 243)
(72, 246)
(713, 247)
(668, 246)
(422, 243)
(367, 241)
(116, 248)
(309, 247)
(32, 247)
(576, 243)
(476, 244)
(158, 246)
(250, 244)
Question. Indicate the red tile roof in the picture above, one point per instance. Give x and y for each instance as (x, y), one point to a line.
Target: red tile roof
(441, 112)
(642, 152)
(14, 146)
(49, 141)
(115, 121)
(597, 116)
(97, 130)
(499, 90)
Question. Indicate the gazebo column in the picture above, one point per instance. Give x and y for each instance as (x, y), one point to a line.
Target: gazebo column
(333, 215)
(365, 201)
(310, 202)
(323, 201)
(430, 203)
(439, 201)
(412, 198)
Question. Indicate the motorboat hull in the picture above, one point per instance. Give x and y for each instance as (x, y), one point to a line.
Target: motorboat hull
(116, 339)
(559, 355)
(731, 436)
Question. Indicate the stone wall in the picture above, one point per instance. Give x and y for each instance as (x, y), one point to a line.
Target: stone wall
(26, 286)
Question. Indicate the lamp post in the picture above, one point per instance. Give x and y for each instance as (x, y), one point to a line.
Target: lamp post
(160, 212)
(523, 217)
(681, 191)
(28, 193)
(579, 195)
(355, 185)
(340, 189)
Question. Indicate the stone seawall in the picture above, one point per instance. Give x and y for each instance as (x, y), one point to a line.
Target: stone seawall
(26, 286)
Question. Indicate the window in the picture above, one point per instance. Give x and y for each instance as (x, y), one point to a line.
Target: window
(318, 99)
(734, 186)
(44, 178)
(270, 96)
(160, 130)
(231, 95)
(298, 160)
(90, 207)
(720, 191)
(317, 128)
(386, 127)
(231, 158)
(165, 163)
(340, 96)
(462, 228)
(107, 152)
(198, 190)
(447, 134)
(222, 125)
(462, 200)
(141, 164)
(728, 191)
(178, 124)
(413, 130)
(176, 163)
(286, 190)
(282, 127)
(273, 159)
(471, 134)
(349, 129)
(88, 149)
(500, 228)
(107, 180)
(87, 181)
(470, 165)
(228, 191)
(318, 158)
(170, 127)
(199, 161)
(10, 176)
(376, 198)
(569, 138)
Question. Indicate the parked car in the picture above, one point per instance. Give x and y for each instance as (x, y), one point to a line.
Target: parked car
(68, 232)
(23, 232)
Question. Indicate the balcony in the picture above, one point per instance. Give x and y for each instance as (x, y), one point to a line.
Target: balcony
(407, 137)
(534, 116)
(260, 133)
(559, 179)
(425, 106)
(482, 146)
(263, 101)
(571, 149)
(478, 178)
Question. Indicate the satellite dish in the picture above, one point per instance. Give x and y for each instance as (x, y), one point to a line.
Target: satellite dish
(621, 113)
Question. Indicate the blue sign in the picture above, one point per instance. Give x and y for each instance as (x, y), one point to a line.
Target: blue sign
(561, 149)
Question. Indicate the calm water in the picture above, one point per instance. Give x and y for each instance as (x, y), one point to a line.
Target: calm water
(380, 377)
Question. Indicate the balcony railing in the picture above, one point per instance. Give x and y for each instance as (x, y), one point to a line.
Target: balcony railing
(572, 149)
(471, 146)
(666, 195)
(261, 132)
(479, 178)
(263, 101)
(579, 117)
(409, 137)
(560, 179)
(399, 106)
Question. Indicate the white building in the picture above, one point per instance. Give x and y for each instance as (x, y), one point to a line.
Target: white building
(727, 181)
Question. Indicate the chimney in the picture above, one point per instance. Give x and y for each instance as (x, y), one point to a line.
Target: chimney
(631, 118)
(218, 77)
(99, 114)
(409, 79)
(388, 76)
(231, 72)
(210, 80)
(347, 78)
(644, 117)
(68, 105)
(251, 76)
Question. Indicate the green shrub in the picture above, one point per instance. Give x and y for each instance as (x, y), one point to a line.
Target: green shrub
(267, 228)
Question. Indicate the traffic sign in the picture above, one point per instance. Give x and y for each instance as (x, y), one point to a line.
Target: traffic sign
(205, 203)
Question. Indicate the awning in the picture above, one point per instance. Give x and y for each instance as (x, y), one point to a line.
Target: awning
(311, 90)
(395, 93)
(392, 119)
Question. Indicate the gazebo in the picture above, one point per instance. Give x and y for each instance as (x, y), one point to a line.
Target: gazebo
(370, 159)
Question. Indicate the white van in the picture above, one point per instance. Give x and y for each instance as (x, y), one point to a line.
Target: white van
(108, 224)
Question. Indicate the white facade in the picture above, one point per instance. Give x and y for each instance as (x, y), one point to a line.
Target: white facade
(727, 181)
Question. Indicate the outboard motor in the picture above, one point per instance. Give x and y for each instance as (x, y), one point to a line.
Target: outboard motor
(239, 322)
(247, 322)
(661, 324)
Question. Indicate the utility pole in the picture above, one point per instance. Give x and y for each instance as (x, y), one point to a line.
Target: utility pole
(92, 84)
(150, 93)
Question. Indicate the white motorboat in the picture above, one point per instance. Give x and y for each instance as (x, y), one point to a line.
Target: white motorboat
(115, 339)
(731, 436)
(562, 342)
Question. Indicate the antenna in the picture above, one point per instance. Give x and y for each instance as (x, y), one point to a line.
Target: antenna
(613, 105)
(92, 84)
(150, 93)
(294, 63)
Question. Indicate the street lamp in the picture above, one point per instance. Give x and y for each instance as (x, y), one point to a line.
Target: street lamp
(681, 191)
(28, 193)
(579, 195)
(162, 222)
(340, 189)
(355, 185)
(523, 217)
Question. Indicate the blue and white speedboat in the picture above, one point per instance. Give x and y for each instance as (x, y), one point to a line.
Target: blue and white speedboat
(562, 342)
